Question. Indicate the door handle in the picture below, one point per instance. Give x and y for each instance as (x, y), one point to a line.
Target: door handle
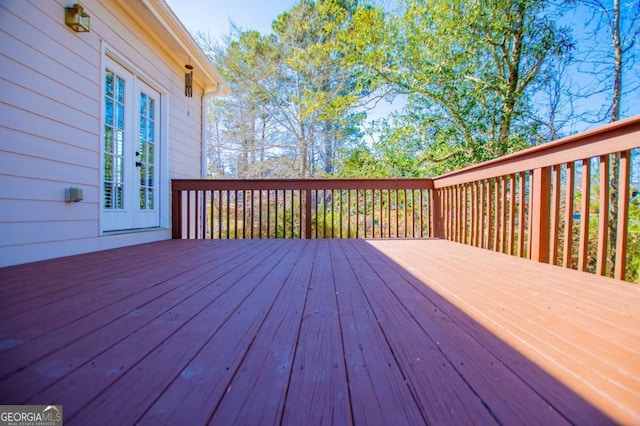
(138, 164)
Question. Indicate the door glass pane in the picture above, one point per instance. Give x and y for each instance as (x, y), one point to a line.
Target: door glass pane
(114, 141)
(147, 138)
(108, 83)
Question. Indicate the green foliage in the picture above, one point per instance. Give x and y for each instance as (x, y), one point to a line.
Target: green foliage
(633, 242)
(465, 66)
(293, 88)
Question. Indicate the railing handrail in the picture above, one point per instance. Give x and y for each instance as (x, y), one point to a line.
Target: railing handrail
(301, 184)
(620, 136)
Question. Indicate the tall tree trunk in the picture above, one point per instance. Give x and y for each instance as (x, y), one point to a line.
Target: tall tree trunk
(617, 60)
(304, 152)
(614, 184)
(513, 80)
(328, 147)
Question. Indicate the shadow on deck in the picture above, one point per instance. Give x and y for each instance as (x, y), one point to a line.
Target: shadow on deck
(318, 331)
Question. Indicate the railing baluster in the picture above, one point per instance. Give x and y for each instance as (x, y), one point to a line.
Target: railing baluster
(420, 214)
(357, 213)
(350, 213)
(603, 217)
(189, 214)
(380, 219)
(555, 214)
(203, 214)
(363, 199)
(623, 215)
(212, 211)
(220, 214)
(235, 214)
(293, 210)
(397, 212)
(490, 222)
(388, 220)
(584, 215)
(451, 209)
(482, 215)
(521, 213)
(300, 235)
(284, 214)
(268, 213)
(567, 253)
(340, 214)
(462, 214)
(253, 212)
(504, 215)
(243, 219)
(455, 211)
(228, 214)
(307, 213)
(196, 230)
(473, 211)
(497, 224)
(512, 213)
(530, 222)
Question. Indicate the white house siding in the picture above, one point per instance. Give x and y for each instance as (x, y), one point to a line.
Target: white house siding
(50, 119)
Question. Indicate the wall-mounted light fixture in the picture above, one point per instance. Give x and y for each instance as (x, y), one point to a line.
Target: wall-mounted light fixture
(188, 81)
(76, 18)
(73, 195)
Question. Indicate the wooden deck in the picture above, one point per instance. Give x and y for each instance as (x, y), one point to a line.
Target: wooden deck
(302, 332)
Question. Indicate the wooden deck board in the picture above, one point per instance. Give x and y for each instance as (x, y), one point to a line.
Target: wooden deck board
(531, 328)
(439, 391)
(379, 391)
(103, 325)
(481, 370)
(319, 371)
(223, 315)
(318, 332)
(207, 376)
(258, 394)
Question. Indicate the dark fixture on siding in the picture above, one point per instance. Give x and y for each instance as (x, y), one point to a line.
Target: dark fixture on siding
(77, 19)
(188, 81)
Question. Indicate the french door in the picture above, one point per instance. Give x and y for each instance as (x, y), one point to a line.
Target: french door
(130, 152)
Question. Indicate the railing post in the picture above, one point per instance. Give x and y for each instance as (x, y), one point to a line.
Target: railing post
(623, 215)
(539, 211)
(436, 213)
(176, 214)
(307, 214)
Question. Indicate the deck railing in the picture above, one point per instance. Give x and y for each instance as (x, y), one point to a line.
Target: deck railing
(565, 202)
(302, 208)
(551, 203)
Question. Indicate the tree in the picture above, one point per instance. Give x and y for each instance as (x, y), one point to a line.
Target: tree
(242, 130)
(466, 66)
(328, 85)
(607, 65)
(294, 95)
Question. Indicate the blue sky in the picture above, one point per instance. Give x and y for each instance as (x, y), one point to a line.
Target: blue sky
(213, 16)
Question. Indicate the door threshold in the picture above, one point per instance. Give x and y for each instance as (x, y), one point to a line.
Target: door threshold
(130, 231)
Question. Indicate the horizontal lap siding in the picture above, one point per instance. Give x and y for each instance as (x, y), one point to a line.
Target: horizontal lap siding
(50, 115)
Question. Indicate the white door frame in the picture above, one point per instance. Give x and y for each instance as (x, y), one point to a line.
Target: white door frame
(107, 225)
